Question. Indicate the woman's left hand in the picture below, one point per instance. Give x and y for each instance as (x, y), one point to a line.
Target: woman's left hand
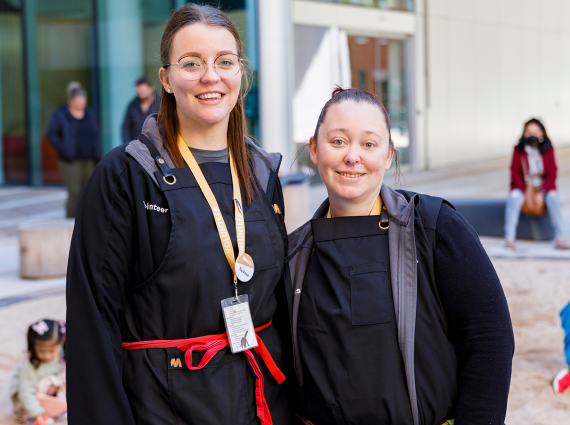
(539, 198)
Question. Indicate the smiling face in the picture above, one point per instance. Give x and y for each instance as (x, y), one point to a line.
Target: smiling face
(209, 100)
(352, 152)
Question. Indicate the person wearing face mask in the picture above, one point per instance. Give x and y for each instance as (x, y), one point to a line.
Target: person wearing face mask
(533, 163)
(398, 316)
(177, 309)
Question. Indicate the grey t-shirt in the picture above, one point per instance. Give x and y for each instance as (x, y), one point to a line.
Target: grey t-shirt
(203, 155)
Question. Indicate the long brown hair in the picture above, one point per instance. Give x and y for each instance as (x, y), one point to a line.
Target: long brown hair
(167, 120)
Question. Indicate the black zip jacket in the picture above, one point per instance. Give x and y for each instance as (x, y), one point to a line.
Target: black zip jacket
(146, 263)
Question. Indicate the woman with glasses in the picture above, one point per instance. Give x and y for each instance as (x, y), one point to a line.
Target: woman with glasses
(176, 305)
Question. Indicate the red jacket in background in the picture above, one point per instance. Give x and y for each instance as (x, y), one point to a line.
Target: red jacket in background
(517, 172)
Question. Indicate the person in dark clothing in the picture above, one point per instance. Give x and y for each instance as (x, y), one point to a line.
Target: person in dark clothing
(389, 324)
(146, 103)
(153, 256)
(74, 133)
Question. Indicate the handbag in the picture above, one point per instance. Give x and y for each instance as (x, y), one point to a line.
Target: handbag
(530, 207)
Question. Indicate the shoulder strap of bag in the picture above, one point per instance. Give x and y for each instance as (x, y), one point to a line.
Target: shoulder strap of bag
(428, 210)
(525, 168)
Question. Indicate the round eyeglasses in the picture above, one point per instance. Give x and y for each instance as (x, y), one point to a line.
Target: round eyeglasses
(194, 68)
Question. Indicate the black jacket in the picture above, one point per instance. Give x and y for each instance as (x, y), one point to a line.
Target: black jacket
(142, 267)
(62, 135)
(453, 321)
(135, 117)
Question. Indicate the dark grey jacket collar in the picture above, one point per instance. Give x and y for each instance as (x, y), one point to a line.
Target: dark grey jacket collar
(403, 266)
(265, 162)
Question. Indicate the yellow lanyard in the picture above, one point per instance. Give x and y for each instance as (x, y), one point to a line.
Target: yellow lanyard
(376, 209)
(218, 217)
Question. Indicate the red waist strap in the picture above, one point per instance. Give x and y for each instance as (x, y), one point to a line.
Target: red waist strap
(211, 344)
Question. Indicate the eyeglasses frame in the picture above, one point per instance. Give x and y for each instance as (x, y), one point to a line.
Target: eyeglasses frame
(205, 65)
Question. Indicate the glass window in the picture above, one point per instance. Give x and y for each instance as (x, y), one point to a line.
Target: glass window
(65, 49)
(407, 5)
(13, 143)
(326, 57)
(243, 14)
(155, 15)
(378, 66)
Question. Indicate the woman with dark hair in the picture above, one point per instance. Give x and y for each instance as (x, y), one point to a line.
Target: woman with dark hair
(398, 316)
(74, 133)
(166, 325)
(533, 163)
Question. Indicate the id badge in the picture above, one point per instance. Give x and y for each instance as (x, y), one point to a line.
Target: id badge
(237, 318)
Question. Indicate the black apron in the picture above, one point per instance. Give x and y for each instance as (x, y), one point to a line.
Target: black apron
(182, 300)
(348, 337)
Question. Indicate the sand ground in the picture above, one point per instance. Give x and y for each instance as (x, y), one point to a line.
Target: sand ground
(536, 292)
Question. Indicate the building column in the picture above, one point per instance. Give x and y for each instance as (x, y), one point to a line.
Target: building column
(420, 151)
(276, 78)
(32, 90)
(120, 39)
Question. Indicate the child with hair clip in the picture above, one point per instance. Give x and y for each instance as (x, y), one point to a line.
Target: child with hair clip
(37, 388)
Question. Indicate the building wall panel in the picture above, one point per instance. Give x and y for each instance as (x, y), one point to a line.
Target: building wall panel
(492, 66)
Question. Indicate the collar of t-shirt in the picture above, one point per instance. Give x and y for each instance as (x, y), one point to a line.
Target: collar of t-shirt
(203, 155)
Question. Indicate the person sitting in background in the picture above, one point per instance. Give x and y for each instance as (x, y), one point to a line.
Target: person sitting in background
(146, 103)
(535, 153)
(37, 387)
(74, 133)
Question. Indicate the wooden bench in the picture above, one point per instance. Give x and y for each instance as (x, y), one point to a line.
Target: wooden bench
(44, 248)
(487, 216)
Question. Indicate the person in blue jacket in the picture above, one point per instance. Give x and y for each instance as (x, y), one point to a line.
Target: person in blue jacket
(561, 381)
(74, 133)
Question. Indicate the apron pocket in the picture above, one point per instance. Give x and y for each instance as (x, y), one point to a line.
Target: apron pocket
(369, 292)
(219, 393)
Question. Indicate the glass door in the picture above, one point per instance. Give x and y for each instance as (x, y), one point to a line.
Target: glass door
(13, 143)
(66, 51)
(378, 65)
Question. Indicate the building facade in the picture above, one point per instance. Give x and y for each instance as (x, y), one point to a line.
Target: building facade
(458, 77)
(106, 45)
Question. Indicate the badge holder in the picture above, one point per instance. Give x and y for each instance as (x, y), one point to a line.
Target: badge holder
(239, 325)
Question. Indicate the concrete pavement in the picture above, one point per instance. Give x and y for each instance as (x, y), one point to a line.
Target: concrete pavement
(22, 205)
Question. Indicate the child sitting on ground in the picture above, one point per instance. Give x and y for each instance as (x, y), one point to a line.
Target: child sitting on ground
(37, 388)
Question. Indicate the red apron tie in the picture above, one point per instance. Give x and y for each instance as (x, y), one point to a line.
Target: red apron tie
(211, 344)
